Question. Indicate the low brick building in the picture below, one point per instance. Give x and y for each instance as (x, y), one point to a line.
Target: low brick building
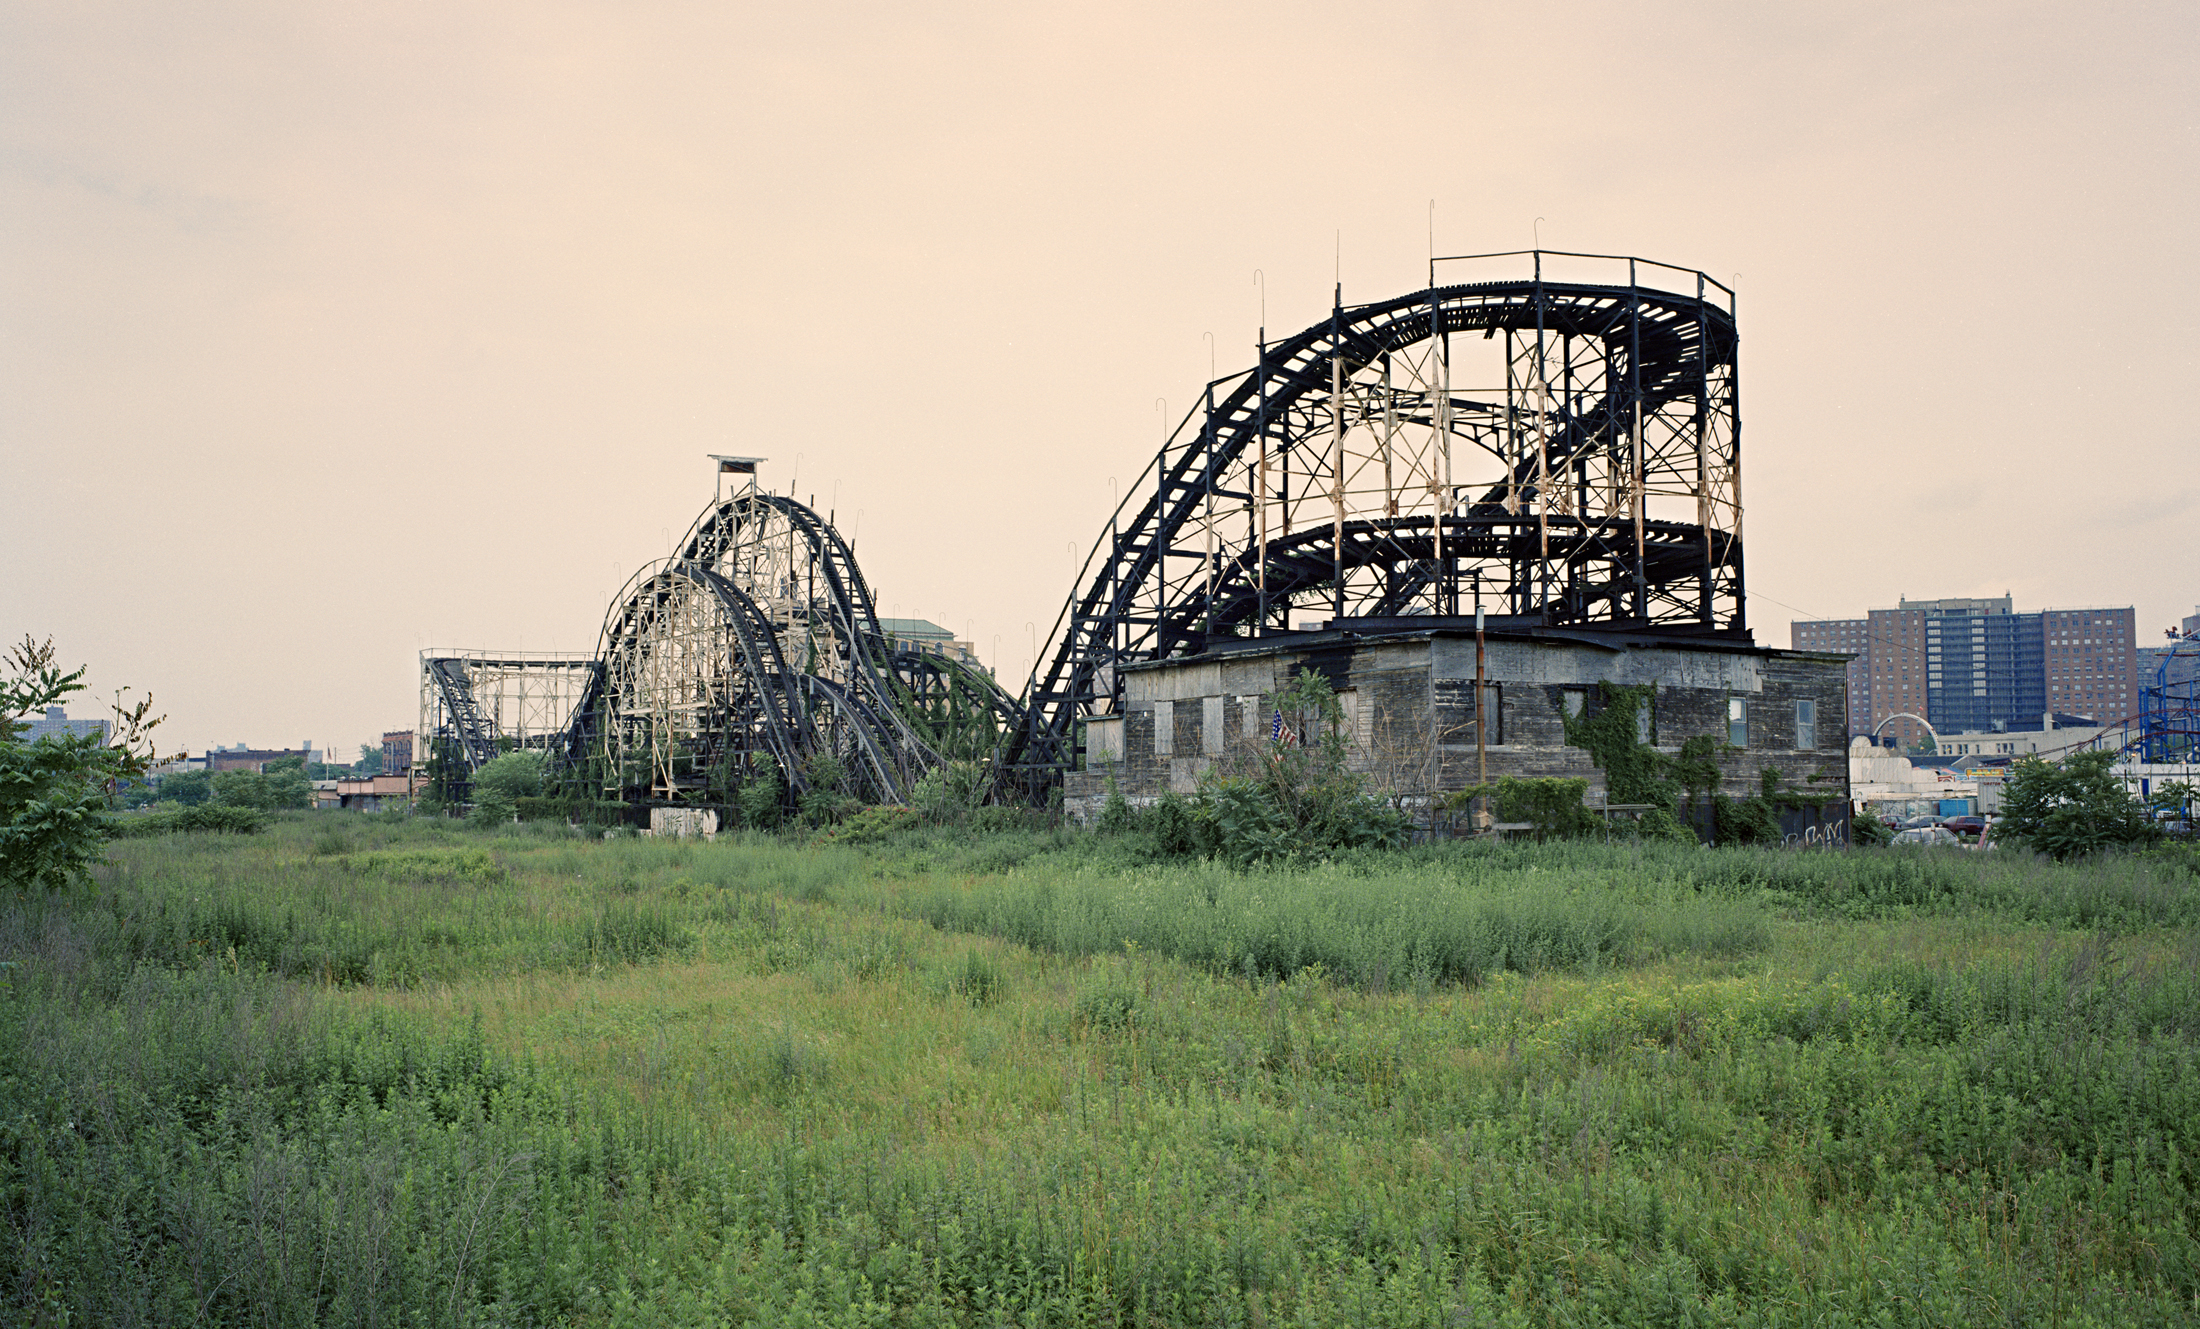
(368, 793)
(1409, 709)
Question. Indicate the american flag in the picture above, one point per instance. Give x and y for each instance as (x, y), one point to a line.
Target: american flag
(1279, 732)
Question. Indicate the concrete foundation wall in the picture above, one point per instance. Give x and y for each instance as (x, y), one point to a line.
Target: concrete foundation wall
(1409, 715)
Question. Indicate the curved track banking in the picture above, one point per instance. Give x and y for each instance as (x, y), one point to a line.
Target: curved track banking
(1604, 489)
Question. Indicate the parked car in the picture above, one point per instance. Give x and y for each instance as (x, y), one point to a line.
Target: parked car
(1966, 825)
(1919, 822)
(1927, 835)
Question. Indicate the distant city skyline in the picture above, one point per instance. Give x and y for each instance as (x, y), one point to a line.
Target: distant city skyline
(1982, 665)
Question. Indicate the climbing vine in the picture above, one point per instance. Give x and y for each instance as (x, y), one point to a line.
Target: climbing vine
(1635, 772)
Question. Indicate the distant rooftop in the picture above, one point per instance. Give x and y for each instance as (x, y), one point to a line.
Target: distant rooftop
(918, 629)
(1962, 608)
(57, 721)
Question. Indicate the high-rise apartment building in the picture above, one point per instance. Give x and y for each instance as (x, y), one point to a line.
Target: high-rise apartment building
(1983, 666)
(1887, 678)
(2092, 660)
(1898, 673)
(1977, 666)
(1842, 636)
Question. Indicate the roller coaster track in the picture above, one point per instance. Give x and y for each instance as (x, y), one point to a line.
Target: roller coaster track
(958, 708)
(1602, 488)
(871, 736)
(718, 532)
(475, 733)
(719, 529)
(1662, 359)
(716, 660)
(691, 663)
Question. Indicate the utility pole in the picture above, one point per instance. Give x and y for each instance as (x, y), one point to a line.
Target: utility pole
(1481, 718)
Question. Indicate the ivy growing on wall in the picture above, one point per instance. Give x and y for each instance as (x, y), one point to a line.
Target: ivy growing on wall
(1633, 772)
(1636, 772)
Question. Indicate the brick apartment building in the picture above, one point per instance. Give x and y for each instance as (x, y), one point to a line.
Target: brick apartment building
(1978, 666)
(2092, 661)
(397, 752)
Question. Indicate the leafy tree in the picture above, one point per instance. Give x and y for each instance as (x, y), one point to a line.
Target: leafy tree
(370, 760)
(1866, 828)
(189, 788)
(760, 799)
(827, 800)
(2174, 803)
(54, 792)
(2072, 808)
(500, 783)
(263, 791)
(515, 774)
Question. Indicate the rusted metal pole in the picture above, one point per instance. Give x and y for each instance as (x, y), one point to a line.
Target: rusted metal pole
(1481, 717)
(1336, 462)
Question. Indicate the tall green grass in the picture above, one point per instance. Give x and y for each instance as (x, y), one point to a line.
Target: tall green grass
(1424, 926)
(2113, 892)
(754, 1091)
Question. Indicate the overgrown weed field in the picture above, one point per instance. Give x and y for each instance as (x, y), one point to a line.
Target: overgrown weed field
(358, 1071)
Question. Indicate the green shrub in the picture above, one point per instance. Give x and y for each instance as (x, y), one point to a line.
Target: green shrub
(493, 807)
(2174, 858)
(761, 800)
(631, 933)
(1110, 1003)
(423, 865)
(2072, 808)
(1659, 826)
(217, 818)
(1553, 806)
(501, 784)
(186, 787)
(873, 824)
(266, 792)
(1743, 821)
(1116, 814)
(1865, 828)
(946, 794)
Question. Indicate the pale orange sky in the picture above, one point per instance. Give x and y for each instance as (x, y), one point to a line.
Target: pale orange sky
(329, 333)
